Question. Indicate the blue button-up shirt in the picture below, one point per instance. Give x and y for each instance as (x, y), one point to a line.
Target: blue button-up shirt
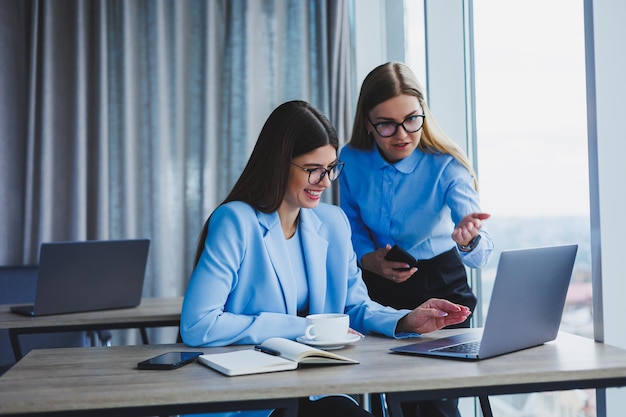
(415, 203)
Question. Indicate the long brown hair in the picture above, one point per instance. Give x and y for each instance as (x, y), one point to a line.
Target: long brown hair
(390, 80)
(293, 129)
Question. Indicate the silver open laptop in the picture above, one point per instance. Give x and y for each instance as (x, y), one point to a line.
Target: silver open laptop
(525, 310)
(87, 276)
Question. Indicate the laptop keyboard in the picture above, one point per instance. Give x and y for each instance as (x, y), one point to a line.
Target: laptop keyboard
(469, 347)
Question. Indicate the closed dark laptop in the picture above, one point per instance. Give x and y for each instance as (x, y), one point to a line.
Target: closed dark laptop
(88, 276)
(525, 310)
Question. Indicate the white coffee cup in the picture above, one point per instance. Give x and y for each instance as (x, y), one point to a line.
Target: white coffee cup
(327, 327)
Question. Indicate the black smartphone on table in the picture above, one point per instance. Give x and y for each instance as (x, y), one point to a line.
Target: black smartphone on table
(398, 254)
(169, 360)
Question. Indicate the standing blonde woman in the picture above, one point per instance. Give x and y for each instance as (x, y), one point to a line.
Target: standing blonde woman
(406, 183)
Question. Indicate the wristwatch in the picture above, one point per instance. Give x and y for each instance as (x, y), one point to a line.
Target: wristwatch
(470, 246)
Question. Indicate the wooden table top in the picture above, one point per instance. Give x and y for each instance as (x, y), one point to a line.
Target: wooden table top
(106, 378)
(151, 310)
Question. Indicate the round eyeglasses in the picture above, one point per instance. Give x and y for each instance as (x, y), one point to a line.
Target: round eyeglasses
(411, 125)
(316, 175)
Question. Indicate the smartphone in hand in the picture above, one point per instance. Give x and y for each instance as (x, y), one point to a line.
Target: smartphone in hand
(397, 254)
(169, 360)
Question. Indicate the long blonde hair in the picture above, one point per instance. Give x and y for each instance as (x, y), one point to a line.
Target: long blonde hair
(391, 80)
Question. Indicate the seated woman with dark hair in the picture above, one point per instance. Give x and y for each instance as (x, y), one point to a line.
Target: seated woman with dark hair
(271, 254)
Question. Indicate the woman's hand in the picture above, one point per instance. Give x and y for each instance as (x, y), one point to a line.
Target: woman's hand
(352, 331)
(468, 228)
(432, 315)
(376, 263)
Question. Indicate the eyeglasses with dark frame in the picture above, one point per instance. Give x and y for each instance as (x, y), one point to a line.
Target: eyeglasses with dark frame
(316, 175)
(410, 125)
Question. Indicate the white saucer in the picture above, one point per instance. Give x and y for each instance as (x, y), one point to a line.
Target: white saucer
(328, 345)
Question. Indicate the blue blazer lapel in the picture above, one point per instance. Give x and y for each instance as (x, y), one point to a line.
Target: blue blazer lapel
(276, 248)
(315, 250)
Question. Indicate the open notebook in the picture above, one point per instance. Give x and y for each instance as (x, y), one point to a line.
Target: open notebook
(525, 308)
(273, 355)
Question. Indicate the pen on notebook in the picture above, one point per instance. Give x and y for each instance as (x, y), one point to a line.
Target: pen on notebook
(267, 350)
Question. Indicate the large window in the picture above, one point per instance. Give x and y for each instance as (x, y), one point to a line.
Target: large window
(531, 147)
(532, 155)
(532, 134)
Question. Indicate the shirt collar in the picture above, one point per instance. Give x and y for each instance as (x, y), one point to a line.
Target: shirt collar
(405, 166)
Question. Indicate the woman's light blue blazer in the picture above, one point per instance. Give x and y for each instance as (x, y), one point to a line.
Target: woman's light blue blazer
(242, 291)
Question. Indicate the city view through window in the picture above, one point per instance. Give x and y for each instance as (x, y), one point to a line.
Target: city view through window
(532, 155)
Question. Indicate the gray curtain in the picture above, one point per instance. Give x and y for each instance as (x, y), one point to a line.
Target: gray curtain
(124, 119)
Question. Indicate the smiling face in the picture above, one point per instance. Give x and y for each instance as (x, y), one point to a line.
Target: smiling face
(397, 109)
(301, 194)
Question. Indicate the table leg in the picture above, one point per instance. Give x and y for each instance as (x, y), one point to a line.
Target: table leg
(15, 344)
(144, 336)
(485, 406)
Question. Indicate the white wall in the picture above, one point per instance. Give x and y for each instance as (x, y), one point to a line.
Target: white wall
(379, 35)
(370, 37)
(445, 68)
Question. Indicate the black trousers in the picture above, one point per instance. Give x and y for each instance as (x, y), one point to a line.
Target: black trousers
(443, 276)
(446, 407)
